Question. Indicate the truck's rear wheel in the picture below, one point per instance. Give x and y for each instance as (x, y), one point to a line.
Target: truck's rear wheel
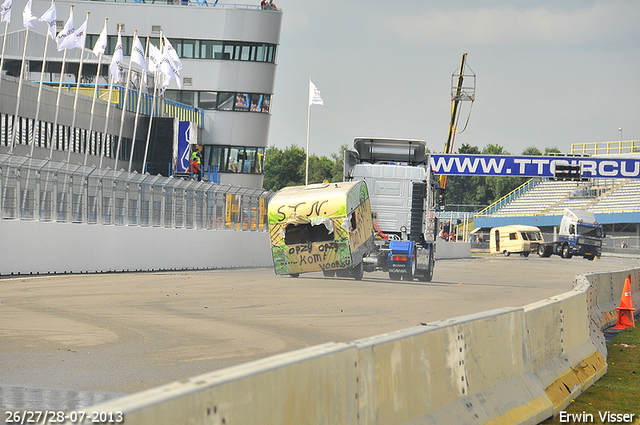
(428, 274)
(357, 271)
(295, 275)
(394, 276)
(590, 257)
(545, 251)
(541, 250)
(329, 273)
(412, 270)
(566, 251)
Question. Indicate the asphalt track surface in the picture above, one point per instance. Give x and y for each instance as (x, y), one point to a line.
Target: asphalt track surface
(123, 333)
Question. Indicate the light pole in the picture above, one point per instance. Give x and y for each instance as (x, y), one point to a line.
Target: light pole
(620, 130)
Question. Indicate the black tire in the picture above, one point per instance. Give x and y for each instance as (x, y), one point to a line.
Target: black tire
(329, 273)
(566, 251)
(295, 275)
(545, 251)
(524, 254)
(590, 257)
(412, 270)
(506, 253)
(358, 271)
(428, 274)
(394, 276)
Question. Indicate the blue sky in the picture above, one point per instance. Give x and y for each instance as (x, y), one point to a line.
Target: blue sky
(549, 73)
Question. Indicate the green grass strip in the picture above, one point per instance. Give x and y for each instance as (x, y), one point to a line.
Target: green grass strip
(616, 393)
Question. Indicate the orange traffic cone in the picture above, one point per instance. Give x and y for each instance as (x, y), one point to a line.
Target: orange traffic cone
(625, 311)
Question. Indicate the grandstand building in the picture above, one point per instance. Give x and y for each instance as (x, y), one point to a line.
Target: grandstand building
(228, 53)
(541, 202)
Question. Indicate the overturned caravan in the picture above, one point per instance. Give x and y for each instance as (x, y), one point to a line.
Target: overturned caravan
(321, 227)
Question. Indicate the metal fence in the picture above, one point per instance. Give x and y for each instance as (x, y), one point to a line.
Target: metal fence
(35, 189)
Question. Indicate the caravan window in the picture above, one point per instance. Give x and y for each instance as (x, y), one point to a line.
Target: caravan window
(305, 233)
(513, 236)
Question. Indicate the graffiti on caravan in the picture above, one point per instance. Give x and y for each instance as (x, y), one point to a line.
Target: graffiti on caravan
(532, 166)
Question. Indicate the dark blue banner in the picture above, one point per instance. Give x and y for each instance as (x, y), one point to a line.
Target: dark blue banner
(532, 166)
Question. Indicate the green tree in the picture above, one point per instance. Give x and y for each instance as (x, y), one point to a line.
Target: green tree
(337, 171)
(554, 149)
(283, 168)
(320, 169)
(531, 150)
(492, 149)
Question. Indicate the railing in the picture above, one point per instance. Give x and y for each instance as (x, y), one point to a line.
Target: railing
(43, 190)
(163, 107)
(520, 190)
(606, 148)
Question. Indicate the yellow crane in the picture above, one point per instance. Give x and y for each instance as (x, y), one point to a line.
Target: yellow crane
(463, 88)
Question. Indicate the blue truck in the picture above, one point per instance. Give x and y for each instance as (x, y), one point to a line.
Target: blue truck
(580, 235)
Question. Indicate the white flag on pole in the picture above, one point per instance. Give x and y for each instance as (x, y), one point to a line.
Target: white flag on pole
(77, 39)
(137, 57)
(155, 58)
(314, 95)
(101, 43)
(50, 18)
(66, 33)
(137, 53)
(170, 71)
(29, 20)
(170, 51)
(6, 11)
(115, 68)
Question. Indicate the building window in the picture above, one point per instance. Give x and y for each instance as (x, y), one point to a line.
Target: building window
(222, 101)
(242, 102)
(225, 101)
(199, 49)
(208, 100)
(234, 159)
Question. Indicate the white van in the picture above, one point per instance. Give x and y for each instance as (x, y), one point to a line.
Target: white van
(516, 238)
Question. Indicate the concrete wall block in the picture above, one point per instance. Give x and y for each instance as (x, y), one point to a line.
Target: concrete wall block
(316, 385)
(49, 247)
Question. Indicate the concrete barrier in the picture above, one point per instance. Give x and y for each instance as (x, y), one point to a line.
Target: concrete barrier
(461, 370)
(511, 365)
(48, 247)
(451, 250)
(564, 359)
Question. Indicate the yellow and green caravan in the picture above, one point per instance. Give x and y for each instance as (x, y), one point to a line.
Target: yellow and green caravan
(321, 227)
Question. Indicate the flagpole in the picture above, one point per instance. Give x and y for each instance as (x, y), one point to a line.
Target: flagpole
(21, 78)
(124, 109)
(93, 103)
(106, 119)
(44, 63)
(135, 121)
(4, 43)
(54, 136)
(306, 174)
(103, 147)
(153, 110)
(75, 99)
